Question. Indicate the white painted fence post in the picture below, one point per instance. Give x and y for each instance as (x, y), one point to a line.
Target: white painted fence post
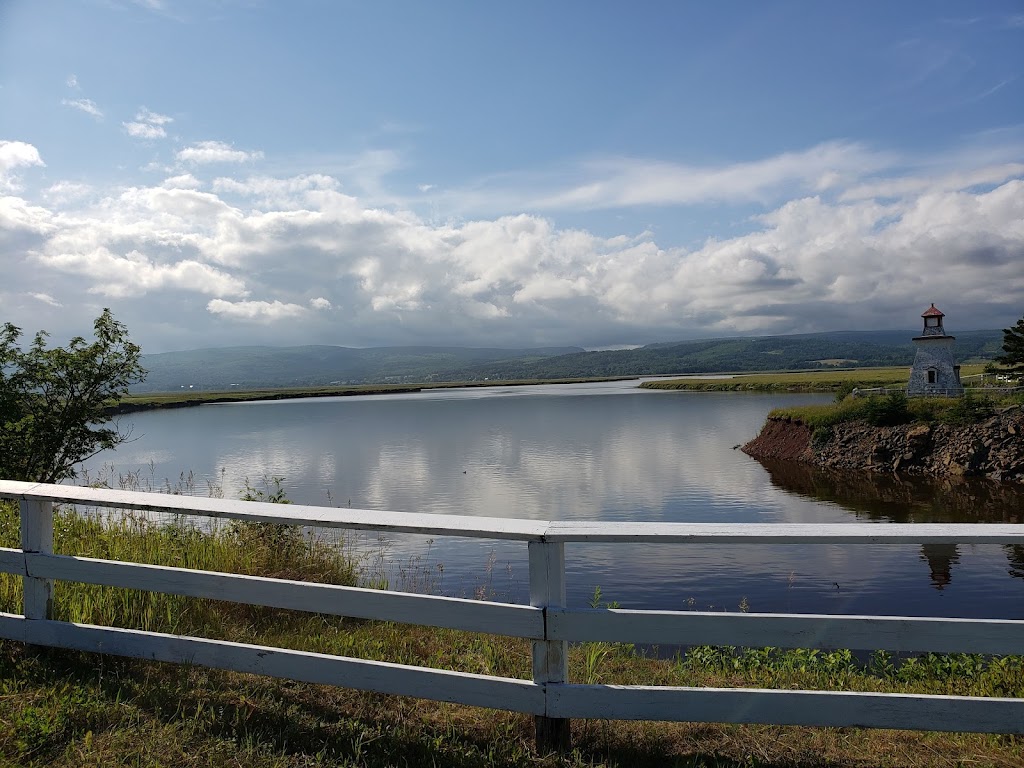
(550, 657)
(37, 536)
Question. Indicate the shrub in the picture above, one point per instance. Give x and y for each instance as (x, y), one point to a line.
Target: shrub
(969, 409)
(888, 411)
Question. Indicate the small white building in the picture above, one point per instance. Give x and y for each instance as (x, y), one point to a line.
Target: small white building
(935, 372)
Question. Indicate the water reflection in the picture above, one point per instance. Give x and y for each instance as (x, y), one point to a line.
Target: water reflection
(595, 452)
(901, 499)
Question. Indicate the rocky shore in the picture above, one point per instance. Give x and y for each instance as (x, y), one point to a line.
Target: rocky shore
(993, 448)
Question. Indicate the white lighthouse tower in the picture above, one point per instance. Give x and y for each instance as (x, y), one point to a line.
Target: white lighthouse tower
(935, 372)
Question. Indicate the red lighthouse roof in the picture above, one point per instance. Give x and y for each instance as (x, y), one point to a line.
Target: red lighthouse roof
(932, 312)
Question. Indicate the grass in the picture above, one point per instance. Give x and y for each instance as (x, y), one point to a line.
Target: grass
(800, 381)
(70, 709)
(895, 408)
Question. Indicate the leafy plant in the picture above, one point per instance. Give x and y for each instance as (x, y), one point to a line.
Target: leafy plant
(54, 402)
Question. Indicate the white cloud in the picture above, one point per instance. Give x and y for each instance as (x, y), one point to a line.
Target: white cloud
(206, 152)
(67, 191)
(84, 105)
(269, 192)
(16, 154)
(622, 182)
(135, 274)
(139, 130)
(259, 311)
(46, 299)
(19, 216)
(914, 185)
(182, 181)
(262, 249)
(72, 81)
(148, 125)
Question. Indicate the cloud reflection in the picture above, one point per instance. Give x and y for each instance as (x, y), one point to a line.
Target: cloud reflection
(547, 453)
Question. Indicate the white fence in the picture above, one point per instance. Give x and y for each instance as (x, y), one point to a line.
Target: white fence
(547, 621)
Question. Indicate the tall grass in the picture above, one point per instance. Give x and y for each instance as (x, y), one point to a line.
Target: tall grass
(70, 709)
(895, 408)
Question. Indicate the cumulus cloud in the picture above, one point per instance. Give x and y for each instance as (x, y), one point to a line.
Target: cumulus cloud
(148, 125)
(135, 274)
(13, 155)
(281, 252)
(84, 105)
(207, 152)
(259, 311)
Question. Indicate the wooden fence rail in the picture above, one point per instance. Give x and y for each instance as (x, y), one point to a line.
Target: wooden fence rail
(547, 621)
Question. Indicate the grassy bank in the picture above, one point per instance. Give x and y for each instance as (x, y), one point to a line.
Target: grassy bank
(894, 409)
(800, 381)
(72, 709)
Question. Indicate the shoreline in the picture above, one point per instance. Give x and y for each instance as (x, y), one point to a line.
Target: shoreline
(161, 400)
(991, 449)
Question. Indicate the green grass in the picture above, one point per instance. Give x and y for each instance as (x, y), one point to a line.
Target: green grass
(800, 381)
(890, 410)
(70, 709)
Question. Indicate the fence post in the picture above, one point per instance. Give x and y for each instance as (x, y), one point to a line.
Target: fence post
(550, 657)
(37, 536)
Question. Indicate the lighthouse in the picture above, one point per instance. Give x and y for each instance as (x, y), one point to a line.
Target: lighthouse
(935, 372)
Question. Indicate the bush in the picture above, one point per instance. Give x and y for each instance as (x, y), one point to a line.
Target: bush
(844, 390)
(969, 409)
(888, 411)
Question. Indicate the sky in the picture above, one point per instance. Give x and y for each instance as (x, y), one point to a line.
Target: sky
(534, 173)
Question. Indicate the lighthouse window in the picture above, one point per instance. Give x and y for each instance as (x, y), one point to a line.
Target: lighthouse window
(931, 376)
(931, 322)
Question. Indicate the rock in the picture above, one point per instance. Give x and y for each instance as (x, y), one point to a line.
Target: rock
(992, 448)
(919, 432)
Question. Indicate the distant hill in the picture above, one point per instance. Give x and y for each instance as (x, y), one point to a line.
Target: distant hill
(766, 353)
(259, 367)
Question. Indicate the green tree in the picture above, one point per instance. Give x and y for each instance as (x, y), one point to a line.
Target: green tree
(1013, 348)
(54, 402)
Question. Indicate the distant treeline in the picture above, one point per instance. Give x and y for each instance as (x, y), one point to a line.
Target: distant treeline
(256, 367)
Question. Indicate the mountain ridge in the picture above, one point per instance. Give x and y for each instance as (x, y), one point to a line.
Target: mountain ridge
(262, 366)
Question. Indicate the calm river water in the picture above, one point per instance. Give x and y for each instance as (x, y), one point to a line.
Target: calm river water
(605, 451)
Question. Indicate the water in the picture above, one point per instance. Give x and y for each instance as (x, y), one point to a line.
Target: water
(606, 451)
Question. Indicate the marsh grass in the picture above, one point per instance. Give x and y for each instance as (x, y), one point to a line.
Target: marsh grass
(895, 408)
(800, 381)
(70, 709)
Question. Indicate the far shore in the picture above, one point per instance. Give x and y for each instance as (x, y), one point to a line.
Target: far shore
(188, 398)
(776, 381)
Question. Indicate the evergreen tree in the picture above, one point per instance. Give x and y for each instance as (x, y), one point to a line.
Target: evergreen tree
(1013, 348)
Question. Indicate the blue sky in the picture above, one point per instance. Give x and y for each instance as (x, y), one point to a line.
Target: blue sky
(469, 173)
